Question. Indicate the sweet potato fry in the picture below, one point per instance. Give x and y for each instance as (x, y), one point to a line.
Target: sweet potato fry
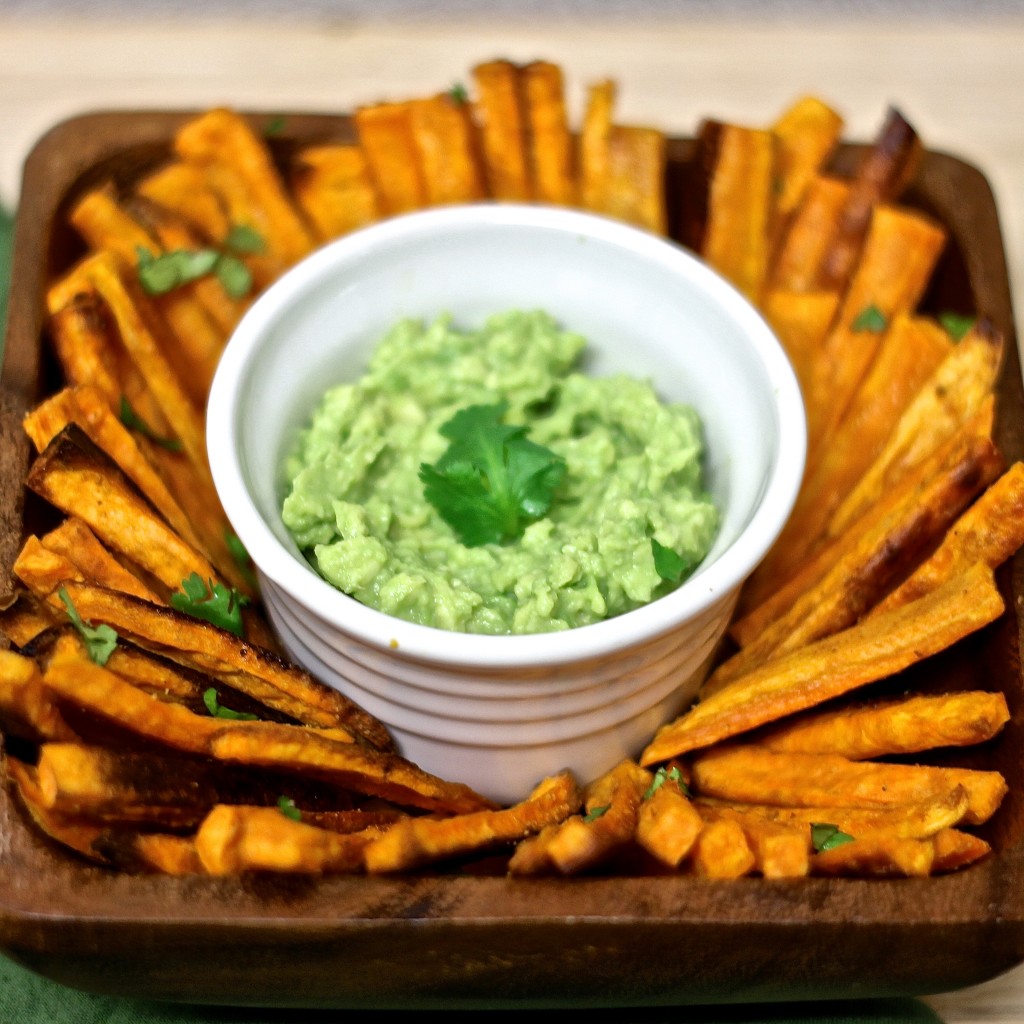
(892, 271)
(416, 841)
(954, 849)
(801, 321)
(835, 665)
(807, 131)
(80, 479)
(184, 189)
(551, 146)
(909, 353)
(917, 820)
(498, 109)
(25, 619)
(27, 708)
(351, 765)
(667, 824)
(612, 803)
(167, 854)
(881, 175)
(240, 169)
(241, 665)
(907, 527)
(749, 773)
(722, 851)
(235, 839)
(331, 183)
(798, 254)
(956, 391)
(780, 849)
(902, 725)
(634, 182)
(386, 139)
(446, 148)
(877, 856)
(741, 163)
(990, 531)
(594, 141)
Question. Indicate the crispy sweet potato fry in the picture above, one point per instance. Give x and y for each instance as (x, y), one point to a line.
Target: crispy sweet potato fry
(239, 168)
(741, 163)
(902, 725)
(332, 185)
(551, 145)
(917, 820)
(446, 149)
(877, 856)
(25, 619)
(893, 268)
(881, 175)
(801, 320)
(749, 773)
(879, 558)
(234, 839)
(498, 108)
(807, 131)
(241, 665)
(990, 531)
(798, 254)
(612, 804)
(184, 189)
(416, 841)
(594, 142)
(781, 849)
(910, 352)
(834, 665)
(957, 390)
(634, 189)
(954, 849)
(667, 824)
(722, 851)
(386, 139)
(81, 479)
(27, 708)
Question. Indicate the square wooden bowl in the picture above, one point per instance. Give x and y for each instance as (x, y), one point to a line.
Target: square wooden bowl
(461, 940)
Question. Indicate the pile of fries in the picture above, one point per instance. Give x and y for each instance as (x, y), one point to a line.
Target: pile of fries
(150, 722)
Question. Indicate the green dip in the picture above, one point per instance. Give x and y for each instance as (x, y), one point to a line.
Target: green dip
(356, 504)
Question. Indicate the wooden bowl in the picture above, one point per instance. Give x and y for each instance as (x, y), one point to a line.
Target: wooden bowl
(447, 940)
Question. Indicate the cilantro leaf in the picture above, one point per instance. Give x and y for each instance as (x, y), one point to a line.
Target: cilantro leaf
(133, 421)
(458, 93)
(213, 602)
(491, 482)
(870, 318)
(669, 564)
(825, 836)
(234, 276)
(957, 325)
(100, 640)
(663, 775)
(596, 812)
(286, 805)
(242, 239)
(217, 710)
(240, 556)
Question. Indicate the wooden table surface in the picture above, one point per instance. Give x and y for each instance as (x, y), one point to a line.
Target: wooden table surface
(960, 82)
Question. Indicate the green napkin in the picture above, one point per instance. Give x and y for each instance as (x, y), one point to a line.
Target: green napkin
(27, 998)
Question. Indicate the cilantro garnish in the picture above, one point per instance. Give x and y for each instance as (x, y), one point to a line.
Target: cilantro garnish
(100, 641)
(870, 318)
(595, 812)
(274, 126)
(286, 805)
(663, 775)
(212, 602)
(957, 325)
(827, 837)
(491, 482)
(161, 274)
(217, 710)
(240, 556)
(458, 93)
(133, 421)
(669, 564)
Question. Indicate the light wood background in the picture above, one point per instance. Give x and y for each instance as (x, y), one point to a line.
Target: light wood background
(958, 79)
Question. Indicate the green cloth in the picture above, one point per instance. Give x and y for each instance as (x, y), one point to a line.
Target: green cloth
(27, 998)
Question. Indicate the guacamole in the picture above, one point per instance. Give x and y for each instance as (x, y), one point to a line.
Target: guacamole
(630, 501)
